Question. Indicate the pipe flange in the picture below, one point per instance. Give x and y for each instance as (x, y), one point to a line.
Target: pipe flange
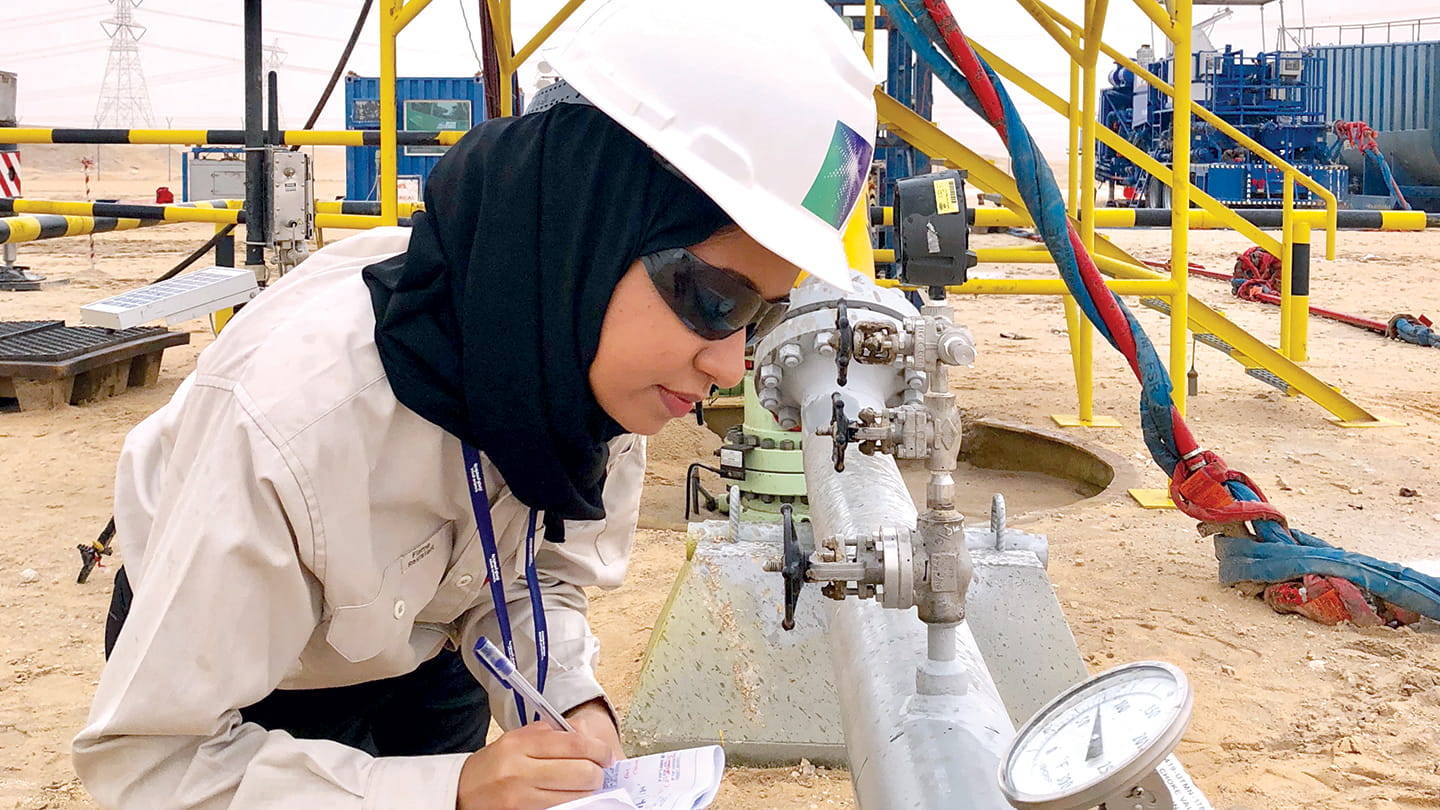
(898, 566)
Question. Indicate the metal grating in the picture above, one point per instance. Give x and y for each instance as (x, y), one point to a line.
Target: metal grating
(65, 342)
(1268, 378)
(1213, 342)
(1157, 304)
(12, 328)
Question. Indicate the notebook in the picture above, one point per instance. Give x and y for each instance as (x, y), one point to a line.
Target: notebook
(674, 780)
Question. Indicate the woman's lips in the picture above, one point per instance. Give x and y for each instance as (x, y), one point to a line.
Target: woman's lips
(676, 403)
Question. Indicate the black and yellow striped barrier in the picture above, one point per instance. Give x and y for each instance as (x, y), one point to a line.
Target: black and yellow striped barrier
(216, 212)
(224, 137)
(1271, 218)
(34, 227)
(23, 220)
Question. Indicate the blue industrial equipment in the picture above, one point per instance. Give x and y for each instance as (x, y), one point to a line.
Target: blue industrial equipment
(428, 103)
(1277, 99)
(1395, 88)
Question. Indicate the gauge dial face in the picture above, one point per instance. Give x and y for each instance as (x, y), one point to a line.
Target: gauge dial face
(1099, 730)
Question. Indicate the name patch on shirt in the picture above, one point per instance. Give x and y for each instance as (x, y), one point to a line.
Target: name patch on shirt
(419, 553)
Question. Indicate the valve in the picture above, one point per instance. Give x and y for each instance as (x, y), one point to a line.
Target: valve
(841, 428)
(795, 567)
(843, 349)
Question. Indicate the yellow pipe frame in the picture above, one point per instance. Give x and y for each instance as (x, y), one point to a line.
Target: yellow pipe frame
(1080, 330)
(1180, 201)
(1287, 310)
(1043, 286)
(869, 41)
(1127, 149)
(1200, 219)
(909, 126)
(1331, 204)
(1158, 15)
(1300, 321)
(199, 137)
(549, 28)
(504, 52)
(1035, 10)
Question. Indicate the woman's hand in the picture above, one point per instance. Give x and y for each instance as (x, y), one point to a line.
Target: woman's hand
(593, 720)
(535, 767)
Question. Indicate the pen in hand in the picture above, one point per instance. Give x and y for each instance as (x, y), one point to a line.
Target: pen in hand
(510, 677)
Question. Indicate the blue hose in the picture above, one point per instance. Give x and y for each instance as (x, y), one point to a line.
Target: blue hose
(1281, 554)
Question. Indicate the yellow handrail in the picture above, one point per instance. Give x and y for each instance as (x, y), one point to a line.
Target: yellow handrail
(1157, 15)
(1131, 152)
(1331, 203)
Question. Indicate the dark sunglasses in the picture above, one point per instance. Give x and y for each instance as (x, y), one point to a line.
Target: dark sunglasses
(713, 302)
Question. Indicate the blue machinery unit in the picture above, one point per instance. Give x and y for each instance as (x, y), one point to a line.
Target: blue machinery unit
(421, 103)
(1278, 99)
(1395, 88)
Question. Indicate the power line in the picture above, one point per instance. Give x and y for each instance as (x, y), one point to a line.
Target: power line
(42, 20)
(307, 35)
(470, 37)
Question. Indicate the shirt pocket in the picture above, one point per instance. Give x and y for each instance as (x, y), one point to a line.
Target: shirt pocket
(461, 585)
(361, 632)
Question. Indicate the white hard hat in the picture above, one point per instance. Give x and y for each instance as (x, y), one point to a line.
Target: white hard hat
(765, 105)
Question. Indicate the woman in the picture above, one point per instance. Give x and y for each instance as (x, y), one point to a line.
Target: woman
(347, 492)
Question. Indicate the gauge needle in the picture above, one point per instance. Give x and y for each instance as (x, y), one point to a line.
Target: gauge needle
(1096, 747)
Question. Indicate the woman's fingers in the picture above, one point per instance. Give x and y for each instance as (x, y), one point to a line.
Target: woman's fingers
(532, 768)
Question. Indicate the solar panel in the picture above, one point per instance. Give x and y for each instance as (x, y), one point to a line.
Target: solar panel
(187, 296)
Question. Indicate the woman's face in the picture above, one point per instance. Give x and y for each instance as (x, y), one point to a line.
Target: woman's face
(650, 368)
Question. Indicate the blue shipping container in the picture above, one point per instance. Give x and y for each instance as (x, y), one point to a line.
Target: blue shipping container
(420, 104)
(1395, 88)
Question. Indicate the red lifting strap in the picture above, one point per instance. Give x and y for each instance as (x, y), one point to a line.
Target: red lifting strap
(1201, 493)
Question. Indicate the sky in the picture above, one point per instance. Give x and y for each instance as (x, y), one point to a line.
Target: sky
(192, 52)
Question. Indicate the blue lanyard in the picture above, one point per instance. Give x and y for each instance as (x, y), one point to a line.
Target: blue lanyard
(480, 502)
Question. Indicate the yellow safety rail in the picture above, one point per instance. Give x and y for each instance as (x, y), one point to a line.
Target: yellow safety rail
(201, 137)
(1293, 319)
(395, 15)
(1210, 326)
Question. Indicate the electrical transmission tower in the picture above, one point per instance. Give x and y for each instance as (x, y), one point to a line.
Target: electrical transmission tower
(124, 98)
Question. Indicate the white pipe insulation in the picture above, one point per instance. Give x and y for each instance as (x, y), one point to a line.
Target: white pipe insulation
(907, 750)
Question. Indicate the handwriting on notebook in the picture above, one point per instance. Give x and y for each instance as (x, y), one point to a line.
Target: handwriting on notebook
(674, 780)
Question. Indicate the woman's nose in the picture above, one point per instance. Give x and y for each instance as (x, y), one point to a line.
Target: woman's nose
(723, 361)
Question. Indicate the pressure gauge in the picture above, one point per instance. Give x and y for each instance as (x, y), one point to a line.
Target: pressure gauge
(1099, 741)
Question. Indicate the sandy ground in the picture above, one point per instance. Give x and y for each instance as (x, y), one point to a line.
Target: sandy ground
(1289, 713)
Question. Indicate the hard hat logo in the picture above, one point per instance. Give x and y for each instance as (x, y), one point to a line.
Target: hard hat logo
(841, 178)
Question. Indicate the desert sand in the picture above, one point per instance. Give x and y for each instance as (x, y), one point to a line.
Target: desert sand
(1288, 713)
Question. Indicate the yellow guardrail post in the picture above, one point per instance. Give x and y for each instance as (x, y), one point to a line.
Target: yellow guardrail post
(394, 16)
(1082, 200)
(504, 52)
(1287, 311)
(1184, 71)
(387, 184)
(1300, 292)
(1073, 161)
(869, 41)
(1077, 328)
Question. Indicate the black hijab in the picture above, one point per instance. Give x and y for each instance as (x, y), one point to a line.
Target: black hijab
(488, 323)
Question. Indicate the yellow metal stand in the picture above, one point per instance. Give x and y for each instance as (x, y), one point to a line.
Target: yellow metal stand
(1153, 498)
(1082, 352)
(1166, 292)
